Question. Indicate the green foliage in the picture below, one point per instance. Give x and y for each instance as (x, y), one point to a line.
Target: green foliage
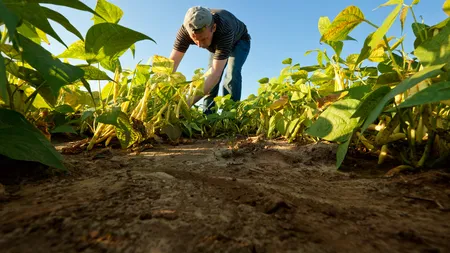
(23, 141)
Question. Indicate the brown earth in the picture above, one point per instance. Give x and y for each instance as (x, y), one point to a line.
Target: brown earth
(206, 196)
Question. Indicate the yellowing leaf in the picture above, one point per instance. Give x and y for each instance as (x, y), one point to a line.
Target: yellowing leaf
(403, 17)
(446, 7)
(343, 24)
(279, 103)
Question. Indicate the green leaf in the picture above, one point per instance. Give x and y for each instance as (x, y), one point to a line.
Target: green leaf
(56, 73)
(75, 51)
(63, 21)
(273, 122)
(3, 81)
(133, 50)
(29, 31)
(74, 4)
(388, 78)
(342, 151)
(107, 40)
(172, 131)
(64, 109)
(435, 50)
(370, 101)
(432, 94)
(10, 19)
(110, 13)
(33, 13)
(87, 86)
(406, 84)
(93, 73)
(446, 7)
(287, 61)
(107, 91)
(110, 116)
(358, 92)
(319, 76)
(343, 24)
(382, 30)
(335, 123)
(63, 129)
(9, 51)
(33, 78)
(22, 141)
(125, 132)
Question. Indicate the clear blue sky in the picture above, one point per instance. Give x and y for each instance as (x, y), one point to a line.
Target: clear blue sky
(279, 29)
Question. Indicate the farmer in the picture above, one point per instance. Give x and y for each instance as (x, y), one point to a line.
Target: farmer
(227, 40)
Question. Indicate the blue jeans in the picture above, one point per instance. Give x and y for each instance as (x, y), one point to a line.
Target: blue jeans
(233, 78)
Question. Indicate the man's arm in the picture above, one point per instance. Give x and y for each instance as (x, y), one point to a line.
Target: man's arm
(212, 79)
(176, 56)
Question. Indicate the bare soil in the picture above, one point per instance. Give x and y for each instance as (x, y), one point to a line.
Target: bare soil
(221, 196)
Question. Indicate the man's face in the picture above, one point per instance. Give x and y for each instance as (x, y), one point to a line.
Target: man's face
(203, 38)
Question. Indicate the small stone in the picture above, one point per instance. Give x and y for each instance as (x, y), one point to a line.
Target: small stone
(162, 175)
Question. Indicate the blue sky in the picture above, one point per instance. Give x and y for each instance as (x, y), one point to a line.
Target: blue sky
(279, 29)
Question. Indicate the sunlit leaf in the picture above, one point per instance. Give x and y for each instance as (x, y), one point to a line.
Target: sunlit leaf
(93, 73)
(400, 88)
(9, 51)
(446, 7)
(109, 12)
(382, 30)
(287, 61)
(391, 2)
(3, 80)
(74, 51)
(162, 65)
(435, 50)
(263, 80)
(29, 31)
(53, 70)
(107, 40)
(343, 24)
(319, 76)
(335, 123)
(22, 141)
(63, 21)
(33, 13)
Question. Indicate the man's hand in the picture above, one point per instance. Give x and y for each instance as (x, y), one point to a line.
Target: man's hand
(212, 79)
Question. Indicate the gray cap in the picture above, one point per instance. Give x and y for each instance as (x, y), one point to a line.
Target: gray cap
(196, 18)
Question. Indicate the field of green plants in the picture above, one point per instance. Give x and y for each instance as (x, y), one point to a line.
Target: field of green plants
(382, 100)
